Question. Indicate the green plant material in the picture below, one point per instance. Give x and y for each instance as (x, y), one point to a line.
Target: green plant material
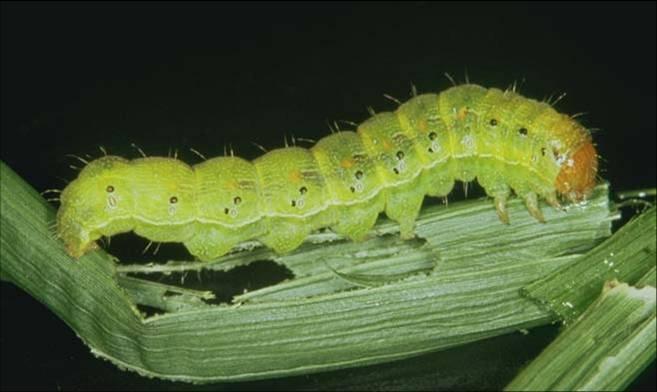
(604, 350)
(627, 257)
(636, 198)
(166, 297)
(607, 343)
(649, 279)
(637, 193)
(316, 321)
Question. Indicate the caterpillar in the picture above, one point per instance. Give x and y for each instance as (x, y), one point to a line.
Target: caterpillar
(509, 143)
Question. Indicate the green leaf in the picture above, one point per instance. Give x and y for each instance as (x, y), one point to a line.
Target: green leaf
(315, 321)
(604, 350)
(627, 257)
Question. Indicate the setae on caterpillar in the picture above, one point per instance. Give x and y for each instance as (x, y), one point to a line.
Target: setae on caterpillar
(506, 141)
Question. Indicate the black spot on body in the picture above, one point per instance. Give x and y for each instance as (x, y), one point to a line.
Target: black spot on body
(237, 200)
(523, 131)
(110, 189)
(173, 200)
(493, 122)
(303, 190)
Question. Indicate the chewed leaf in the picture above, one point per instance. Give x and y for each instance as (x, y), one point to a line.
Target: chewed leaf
(369, 280)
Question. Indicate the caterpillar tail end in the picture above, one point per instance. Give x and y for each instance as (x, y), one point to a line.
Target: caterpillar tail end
(78, 250)
(77, 241)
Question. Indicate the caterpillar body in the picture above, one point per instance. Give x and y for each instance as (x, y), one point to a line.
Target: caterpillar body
(505, 141)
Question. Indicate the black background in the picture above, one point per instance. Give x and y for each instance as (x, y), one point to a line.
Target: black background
(178, 75)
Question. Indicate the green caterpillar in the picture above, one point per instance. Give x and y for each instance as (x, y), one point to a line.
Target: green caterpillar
(505, 141)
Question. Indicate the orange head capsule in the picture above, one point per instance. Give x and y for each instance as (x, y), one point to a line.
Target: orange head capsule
(578, 173)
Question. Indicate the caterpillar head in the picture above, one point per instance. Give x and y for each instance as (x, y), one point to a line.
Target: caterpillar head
(578, 173)
(92, 204)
